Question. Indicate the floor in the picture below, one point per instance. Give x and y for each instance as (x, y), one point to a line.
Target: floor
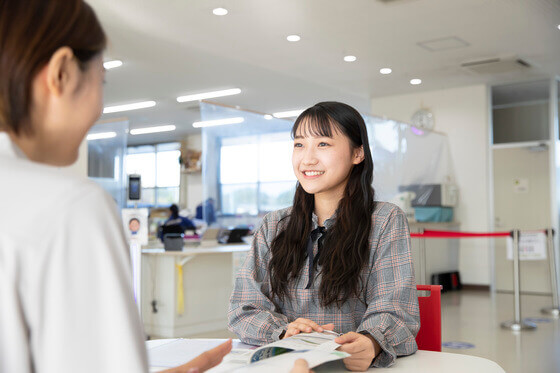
(473, 317)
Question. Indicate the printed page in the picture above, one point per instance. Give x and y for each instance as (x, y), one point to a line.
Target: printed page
(285, 362)
(298, 342)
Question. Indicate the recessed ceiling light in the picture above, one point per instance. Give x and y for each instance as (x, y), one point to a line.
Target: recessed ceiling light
(205, 95)
(127, 107)
(218, 122)
(415, 81)
(293, 38)
(268, 117)
(112, 64)
(350, 58)
(288, 114)
(155, 129)
(220, 11)
(100, 135)
(385, 71)
(558, 27)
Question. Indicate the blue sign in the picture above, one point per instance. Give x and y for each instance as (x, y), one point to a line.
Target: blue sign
(457, 345)
(537, 320)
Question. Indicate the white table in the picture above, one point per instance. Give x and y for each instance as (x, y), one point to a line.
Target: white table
(421, 361)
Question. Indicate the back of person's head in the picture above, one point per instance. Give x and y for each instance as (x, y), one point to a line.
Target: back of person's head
(174, 210)
(31, 32)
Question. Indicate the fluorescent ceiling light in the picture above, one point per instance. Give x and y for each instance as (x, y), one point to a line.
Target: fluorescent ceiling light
(350, 58)
(144, 130)
(268, 117)
(385, 71)
(293, 38)
(100, 135)
(127, 107)
(218, 122)
(288, 114)
(203, 96)
(112, 64)
(415, 81)
(220, 11)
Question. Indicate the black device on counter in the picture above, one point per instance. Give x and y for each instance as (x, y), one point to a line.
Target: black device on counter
(233, 236)
(134, 187)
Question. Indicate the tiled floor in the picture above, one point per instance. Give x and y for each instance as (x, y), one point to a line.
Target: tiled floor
(474, 317)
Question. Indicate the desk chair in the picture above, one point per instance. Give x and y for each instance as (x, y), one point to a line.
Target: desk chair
(429, 335)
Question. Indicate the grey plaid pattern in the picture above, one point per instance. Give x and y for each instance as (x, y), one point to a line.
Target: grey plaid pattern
(387, 308)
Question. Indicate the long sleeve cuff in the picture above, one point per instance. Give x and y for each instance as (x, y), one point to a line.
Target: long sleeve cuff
(387, 356)
(278, 333)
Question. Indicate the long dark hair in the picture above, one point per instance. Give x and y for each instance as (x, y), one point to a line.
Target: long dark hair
(345, 249)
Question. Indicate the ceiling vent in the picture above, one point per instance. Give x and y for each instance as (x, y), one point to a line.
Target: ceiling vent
(496, 66)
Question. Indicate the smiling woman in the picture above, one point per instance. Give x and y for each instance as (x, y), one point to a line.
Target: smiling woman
(335, 259)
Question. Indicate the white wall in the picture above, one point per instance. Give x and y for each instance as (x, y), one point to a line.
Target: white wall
(461, 113)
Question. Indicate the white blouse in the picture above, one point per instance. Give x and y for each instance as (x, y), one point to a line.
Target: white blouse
(66, 301)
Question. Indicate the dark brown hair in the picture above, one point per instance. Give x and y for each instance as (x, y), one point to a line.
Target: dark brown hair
(345, 248)
(31, 31)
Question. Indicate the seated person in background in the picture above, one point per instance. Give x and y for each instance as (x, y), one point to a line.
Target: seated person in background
(335, 260)
(175, 223)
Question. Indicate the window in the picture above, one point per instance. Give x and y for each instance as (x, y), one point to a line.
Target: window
(256, 174)
(160, 170)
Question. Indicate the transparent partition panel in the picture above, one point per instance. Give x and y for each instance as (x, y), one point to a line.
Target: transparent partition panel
(247, 166)
(106, 152)
(405, 156)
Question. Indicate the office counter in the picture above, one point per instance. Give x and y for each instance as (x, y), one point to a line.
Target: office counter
(191, 288)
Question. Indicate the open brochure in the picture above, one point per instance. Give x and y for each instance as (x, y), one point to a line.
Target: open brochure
(316, 348)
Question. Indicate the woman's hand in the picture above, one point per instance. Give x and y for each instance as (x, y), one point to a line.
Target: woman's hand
(301, 366)
(204, 361)
(305, 326)
(362, 348)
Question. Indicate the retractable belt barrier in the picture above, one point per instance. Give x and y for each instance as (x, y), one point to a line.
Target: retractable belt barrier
(517, 324)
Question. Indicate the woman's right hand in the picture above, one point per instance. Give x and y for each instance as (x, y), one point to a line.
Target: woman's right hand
(306, 326)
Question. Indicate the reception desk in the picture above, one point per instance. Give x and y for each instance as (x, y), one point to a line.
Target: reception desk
(190, 288)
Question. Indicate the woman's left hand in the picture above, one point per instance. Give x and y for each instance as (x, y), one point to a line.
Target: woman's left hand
(362, 348)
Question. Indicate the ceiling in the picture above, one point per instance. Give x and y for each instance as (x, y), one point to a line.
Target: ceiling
(176, 47)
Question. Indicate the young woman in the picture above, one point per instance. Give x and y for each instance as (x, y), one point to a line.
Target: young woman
(66, 302)
(335, 260)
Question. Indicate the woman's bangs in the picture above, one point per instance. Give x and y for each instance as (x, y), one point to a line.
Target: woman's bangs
(314, 124)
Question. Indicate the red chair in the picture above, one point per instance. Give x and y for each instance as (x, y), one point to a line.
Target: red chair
(429, 335)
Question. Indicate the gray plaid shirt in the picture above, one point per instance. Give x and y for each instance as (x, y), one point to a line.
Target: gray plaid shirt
(387, 309)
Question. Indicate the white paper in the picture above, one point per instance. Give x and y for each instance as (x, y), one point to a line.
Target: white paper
(285, 362)
(135, 224)
(521, 186)
(532, 246)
